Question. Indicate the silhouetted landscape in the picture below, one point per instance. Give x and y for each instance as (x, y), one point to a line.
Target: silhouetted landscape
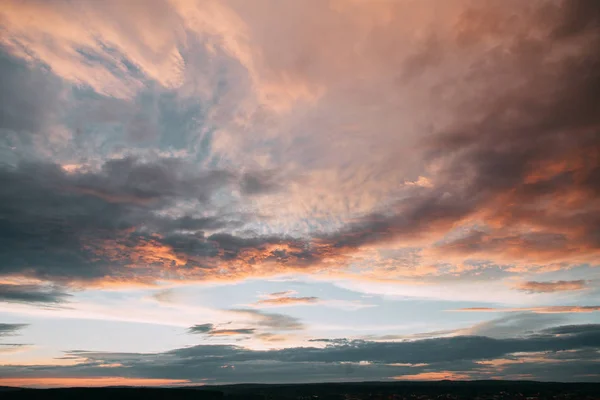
(329, 391)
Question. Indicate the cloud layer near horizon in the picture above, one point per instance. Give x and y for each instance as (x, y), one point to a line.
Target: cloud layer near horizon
(541, 355)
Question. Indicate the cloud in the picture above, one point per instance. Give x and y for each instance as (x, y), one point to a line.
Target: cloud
(474, 164)
(542, 353)
(550, 287)
(202, 328)
(29, 98)
(255, 323)
(210, 330)
(10, 329)
(164, 296)
(117, 47)
(11, 348)
(272, 337)
(32, 294)
(277, 322)
(282, 294)
(7, 330)
(540, 310)
(232, 332)
(284, 298)
(86, 225)
(435, 376)
(512, 325)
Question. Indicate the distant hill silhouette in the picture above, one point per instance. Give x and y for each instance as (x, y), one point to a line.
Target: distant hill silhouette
(498, 390)
(112, 394)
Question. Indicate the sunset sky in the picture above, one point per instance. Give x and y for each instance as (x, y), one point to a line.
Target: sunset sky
(207, 192)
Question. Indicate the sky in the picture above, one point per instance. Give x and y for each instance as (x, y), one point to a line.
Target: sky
(212, 192)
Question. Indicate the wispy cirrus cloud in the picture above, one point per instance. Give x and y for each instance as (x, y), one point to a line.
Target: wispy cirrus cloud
(286, 298)
(541, 310)
(10, 329)
(551, 287)
(211, 330)
(274, 321)
(32, 294)
(266, 327)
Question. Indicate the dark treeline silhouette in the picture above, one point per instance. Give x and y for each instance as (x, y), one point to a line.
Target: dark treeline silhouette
(479, 390)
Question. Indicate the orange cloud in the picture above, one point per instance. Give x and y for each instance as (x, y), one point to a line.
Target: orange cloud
(56, 34)
(288, 300)
(273, 337)
(434, 376)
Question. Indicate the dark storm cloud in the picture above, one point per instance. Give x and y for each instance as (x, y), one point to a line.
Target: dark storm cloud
(57, 225)
(572, 348)
(32, 294)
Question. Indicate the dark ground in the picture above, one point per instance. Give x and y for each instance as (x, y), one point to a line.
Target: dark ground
(496, 390)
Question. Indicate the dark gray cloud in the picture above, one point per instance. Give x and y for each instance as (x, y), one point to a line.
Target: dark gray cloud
(580, 16)
(29, 97)
(202, 328)
(437, 350)
(572, 348)
(210, 330)
(10, 329)
(83, 225)
(259, 183)
(505, 160)
(32, 294)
